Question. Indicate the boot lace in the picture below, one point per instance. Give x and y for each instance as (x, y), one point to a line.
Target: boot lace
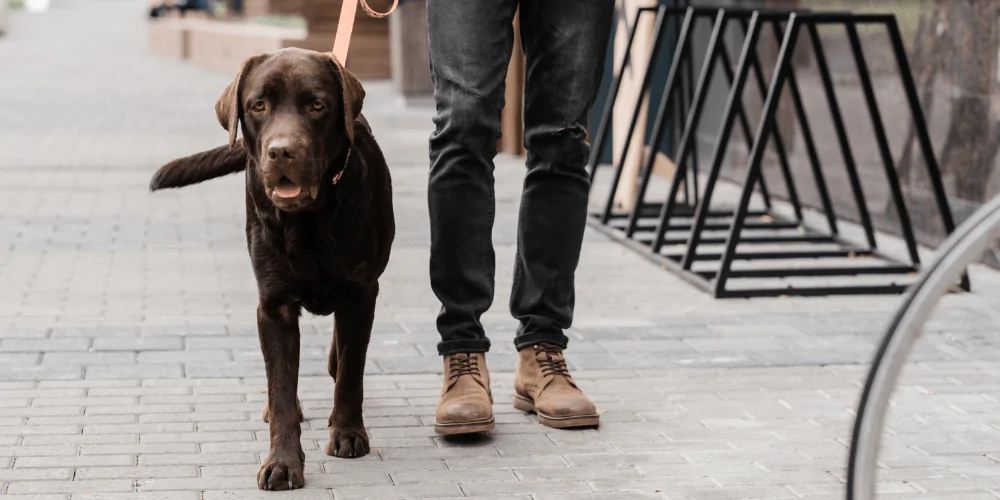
(551, 361)
(464, 365)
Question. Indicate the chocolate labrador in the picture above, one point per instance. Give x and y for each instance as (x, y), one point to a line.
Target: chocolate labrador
(319, 229)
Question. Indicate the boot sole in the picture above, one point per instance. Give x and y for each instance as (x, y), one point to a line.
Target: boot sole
(452, 429)
(526, 405)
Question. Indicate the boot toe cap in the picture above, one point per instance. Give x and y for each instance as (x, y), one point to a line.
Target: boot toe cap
(566, 406)
(464, 411)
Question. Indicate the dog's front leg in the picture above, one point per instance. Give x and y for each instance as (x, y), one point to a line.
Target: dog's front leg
(278, 328)
(351, 333)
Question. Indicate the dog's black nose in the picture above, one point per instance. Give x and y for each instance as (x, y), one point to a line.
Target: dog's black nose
(280, 150)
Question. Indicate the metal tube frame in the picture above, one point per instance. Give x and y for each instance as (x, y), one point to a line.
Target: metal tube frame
(697, 205)
(947, 272)
(753, 31)
(688, 141)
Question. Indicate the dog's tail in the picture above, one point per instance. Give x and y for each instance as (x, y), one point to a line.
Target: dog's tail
(200, 167)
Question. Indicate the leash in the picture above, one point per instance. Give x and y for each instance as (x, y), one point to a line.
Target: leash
(345, 27)
(342, 42)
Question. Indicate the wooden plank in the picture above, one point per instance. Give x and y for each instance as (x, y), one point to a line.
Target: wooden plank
(512, 121)
(369, 55)
(369, 43)
(629, 94)
(408, 49)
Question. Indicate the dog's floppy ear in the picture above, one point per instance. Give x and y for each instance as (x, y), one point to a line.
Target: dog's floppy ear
(353, 95)
(229, 109)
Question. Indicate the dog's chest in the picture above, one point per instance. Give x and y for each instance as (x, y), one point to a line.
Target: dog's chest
(318, 268)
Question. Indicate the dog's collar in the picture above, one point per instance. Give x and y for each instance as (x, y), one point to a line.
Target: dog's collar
(339, 174)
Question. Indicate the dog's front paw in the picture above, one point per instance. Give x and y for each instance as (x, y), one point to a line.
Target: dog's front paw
(348, 443)
(282, 472)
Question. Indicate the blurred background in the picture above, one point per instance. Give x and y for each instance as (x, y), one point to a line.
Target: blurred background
(953, 47)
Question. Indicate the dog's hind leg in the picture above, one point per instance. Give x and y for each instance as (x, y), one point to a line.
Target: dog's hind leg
(278, 328)
(353, 329)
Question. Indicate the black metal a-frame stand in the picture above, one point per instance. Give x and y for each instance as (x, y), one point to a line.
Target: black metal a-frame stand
(763, 251)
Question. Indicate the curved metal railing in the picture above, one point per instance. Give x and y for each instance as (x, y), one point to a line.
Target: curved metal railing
(964, 246)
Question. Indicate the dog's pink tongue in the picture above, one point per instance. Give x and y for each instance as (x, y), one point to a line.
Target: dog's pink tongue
(287, 191)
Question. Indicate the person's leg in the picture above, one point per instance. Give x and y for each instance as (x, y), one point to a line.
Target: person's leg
(565, 42)
(470, 42)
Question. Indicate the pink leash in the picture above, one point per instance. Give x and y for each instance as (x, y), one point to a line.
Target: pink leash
(345, 27)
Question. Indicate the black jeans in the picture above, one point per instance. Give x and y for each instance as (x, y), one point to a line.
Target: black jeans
(565, 42)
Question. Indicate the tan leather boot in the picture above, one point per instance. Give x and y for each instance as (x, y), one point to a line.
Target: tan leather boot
(466, 404)
(544, 386)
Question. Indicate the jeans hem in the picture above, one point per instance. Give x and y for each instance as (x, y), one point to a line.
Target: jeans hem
(459, 346)
(530, 339)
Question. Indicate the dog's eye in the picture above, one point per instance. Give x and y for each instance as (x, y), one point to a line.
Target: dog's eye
(318, 106)
(257, 106)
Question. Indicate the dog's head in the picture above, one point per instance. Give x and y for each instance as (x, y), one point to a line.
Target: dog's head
(297, 109)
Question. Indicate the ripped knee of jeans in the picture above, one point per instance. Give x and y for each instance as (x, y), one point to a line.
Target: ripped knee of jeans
(563, 144)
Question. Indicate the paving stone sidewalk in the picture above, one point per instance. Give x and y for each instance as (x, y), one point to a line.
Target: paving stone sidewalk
(129, 366)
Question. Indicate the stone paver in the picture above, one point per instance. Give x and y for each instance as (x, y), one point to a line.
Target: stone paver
(129, 364)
